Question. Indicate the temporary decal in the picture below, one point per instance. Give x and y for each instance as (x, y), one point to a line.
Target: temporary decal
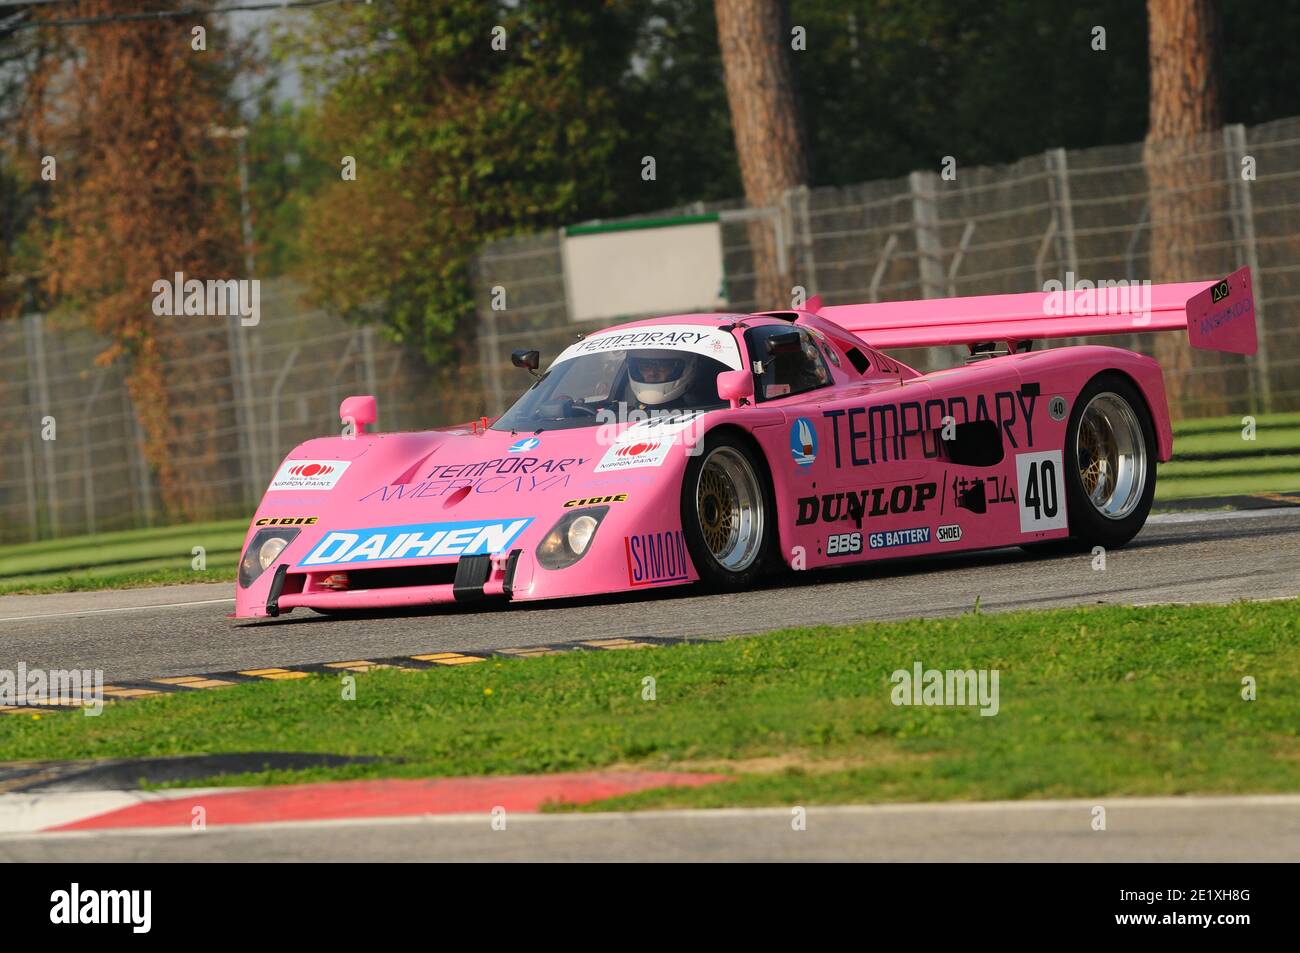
(880, 433)
(502, 475)
(697, 339)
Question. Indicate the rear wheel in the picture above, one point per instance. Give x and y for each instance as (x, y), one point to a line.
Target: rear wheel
(1110, 457)
(727, 514)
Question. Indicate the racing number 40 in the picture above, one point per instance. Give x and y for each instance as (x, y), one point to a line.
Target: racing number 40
(1040, 493)
(1041, 477)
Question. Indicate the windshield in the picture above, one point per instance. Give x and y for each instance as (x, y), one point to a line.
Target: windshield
(602, 388)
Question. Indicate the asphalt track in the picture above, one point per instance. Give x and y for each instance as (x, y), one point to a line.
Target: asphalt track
(1216, 556)
(1242, 829)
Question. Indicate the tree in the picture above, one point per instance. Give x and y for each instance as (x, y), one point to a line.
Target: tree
(754, 38)
(1180, 158)
(142, 192)
(466, 121)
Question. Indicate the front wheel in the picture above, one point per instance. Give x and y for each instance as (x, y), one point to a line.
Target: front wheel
(1110, 456)
(727, 514)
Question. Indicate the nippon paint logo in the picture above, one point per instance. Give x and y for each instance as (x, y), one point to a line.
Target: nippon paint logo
(39, 686)
(624, 425)
(648, 441)
(1082, 298)
(212, 298)
(951, 688)
(76, 906)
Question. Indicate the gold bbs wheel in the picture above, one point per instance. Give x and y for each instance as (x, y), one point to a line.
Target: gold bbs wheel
(1112, 455)
(729, 506)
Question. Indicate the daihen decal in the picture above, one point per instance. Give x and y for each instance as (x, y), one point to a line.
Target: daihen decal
(415, 541)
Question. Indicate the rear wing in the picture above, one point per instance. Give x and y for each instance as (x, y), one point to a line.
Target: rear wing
(1218, 315)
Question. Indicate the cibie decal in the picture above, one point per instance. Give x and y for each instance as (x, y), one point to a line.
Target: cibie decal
(1042, 491)
(523, 445)
(415, 541)
(948, 534)
(285, 521)
(594, 500)
(309, 474)
(655, 557)
(899, 537)
(803, 442)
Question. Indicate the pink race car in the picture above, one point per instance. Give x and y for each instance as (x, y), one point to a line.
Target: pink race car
(716, 447)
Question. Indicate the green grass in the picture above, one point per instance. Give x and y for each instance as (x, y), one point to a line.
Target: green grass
(1096, 701)
(141, 557)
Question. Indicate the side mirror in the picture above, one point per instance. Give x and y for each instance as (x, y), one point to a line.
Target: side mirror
(735, 386)
(529, 360)
(787, 342)
(360, 411)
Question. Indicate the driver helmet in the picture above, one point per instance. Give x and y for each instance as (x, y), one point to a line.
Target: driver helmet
(656, 377)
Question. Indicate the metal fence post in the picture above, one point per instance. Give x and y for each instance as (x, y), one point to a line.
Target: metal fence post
(1243, 218)
(239, 398)
(802, 197)
(144, 491)
(487, 342)
(39, 399)
(1058, 185)
(925, 219)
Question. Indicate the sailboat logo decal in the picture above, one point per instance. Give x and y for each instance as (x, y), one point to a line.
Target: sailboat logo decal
(803, 442)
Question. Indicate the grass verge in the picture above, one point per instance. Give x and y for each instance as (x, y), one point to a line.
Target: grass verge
(1095, 701)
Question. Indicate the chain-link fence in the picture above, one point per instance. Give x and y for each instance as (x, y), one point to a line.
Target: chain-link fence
(989, 230)
(72, 453)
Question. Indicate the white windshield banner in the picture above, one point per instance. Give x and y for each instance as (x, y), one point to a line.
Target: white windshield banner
(698, 339)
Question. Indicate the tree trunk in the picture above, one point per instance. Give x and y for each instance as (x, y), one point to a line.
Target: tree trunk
(754, 38)
(1182, 159)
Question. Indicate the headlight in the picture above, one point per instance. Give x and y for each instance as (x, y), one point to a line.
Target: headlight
(262, 551)
(267, 552)
(570, 538)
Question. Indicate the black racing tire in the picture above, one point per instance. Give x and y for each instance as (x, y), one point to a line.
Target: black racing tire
(729, 513)
(1110, 408)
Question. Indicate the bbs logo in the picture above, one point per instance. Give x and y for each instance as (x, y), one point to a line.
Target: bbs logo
(844, 544)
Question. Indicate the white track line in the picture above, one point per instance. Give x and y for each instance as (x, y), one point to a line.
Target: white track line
(932, 808)
(1211, 516)
(161, 605)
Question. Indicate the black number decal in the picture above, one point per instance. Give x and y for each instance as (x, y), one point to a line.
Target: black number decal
(1048, 475)
(1032, 497)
